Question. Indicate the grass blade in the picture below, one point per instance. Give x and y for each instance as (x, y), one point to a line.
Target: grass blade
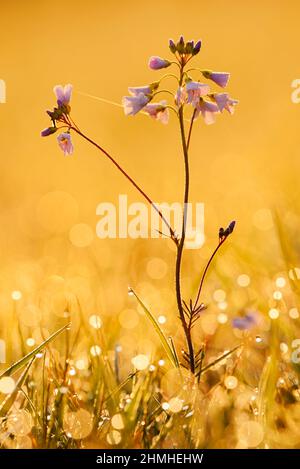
(207, 367)
(20, 363)
(10, 399)
(166, 345)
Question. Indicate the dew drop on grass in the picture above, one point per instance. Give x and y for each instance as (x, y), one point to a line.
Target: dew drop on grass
(140, 362)
(250, 433)
(114, 438)
(19, 423)
(7, 385)
(117, 422)
(95, 321)
(16, 295)
(175, 405)
(231, 382)
(78, 424)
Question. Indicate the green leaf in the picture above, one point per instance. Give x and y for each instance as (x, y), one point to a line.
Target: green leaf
(20, 363)
(160, 333)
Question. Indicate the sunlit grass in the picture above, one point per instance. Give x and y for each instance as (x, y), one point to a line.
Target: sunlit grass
(96, 383)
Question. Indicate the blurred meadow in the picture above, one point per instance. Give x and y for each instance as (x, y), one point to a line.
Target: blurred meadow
(106, 380)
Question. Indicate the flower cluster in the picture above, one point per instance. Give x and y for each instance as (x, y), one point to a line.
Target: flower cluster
(204, 101)
(60, 114)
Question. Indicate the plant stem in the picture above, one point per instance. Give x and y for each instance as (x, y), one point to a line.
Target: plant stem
(205, 271)
(180, 247)
(190, 129)
(172, 233)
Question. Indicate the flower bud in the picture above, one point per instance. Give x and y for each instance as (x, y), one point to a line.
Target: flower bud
(221, 232)
(180, 45)
(197, 48)
(220, 78)
(231, 226)
(157, 63)
(55, 114)
(172, 46)
(48, 131)
(189, 47)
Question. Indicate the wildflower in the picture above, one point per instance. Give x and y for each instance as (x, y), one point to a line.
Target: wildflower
(65, 143)
(147, 89)
(158, 111)
(181, 96)
(133, 104)
(208, 111)
(157, 63)
(245, 322)
(220, 78)
(63, 94)
(224, 101)
(195, 90)
(48, 131)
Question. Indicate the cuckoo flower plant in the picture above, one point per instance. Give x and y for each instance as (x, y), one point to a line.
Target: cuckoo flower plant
(190, 92)
(190, 98)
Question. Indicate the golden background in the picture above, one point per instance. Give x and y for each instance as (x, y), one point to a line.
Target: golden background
(244, 167)
(241, 167)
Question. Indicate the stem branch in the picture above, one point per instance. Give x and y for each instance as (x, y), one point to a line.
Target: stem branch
(172, 233)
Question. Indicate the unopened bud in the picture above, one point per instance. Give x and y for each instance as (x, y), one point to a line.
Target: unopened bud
(189, 47)
(197, 48)
(180, 45)
(48, 131)
(172, 46)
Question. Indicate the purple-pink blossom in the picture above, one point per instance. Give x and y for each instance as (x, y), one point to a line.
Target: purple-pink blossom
(63, 94)
(136, 90)
(133, 104)
(157, 63)
(181, 96)
(195, 90)
(158, 111)
(220, 78)
(224, 101)
(208, 111)
(65, 143)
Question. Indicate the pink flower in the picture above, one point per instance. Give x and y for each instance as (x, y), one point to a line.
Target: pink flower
(220, 78)
(65, 143)
(133, 104)
(195, 90)
(157, 63)
(224, 101)
(63, 94)
(181, 96)
(136, 90)
(208, 111)
(158, 111)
